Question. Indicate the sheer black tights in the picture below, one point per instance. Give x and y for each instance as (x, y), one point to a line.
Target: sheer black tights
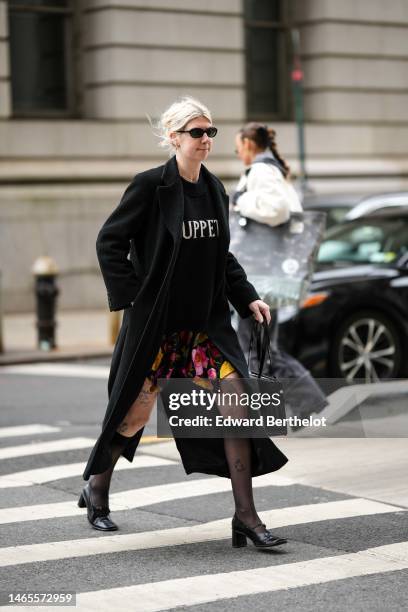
(238, 454)
(100, 483)
(237, 451)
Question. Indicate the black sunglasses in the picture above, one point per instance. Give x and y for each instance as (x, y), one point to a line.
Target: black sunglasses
(199, 132)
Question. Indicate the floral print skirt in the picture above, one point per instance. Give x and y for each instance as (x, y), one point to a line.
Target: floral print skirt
(189, 354)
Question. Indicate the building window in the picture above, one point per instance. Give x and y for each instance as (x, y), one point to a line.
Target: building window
(40, 34)
(267, 37)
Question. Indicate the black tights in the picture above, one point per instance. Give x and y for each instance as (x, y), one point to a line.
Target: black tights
(238, 454)
(100, 483)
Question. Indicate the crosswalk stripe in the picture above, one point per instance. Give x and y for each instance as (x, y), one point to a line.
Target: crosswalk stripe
(39, 448)
(214, 530)
(58, 369)
(34, 448)
(195, 590)
(58, 472)
(156, 596)
(27, 430)
(135, 498)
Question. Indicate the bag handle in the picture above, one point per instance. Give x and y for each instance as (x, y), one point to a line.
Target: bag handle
(262, 344)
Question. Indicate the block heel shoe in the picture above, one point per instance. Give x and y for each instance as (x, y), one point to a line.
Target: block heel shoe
(264, 539)
(98, 517)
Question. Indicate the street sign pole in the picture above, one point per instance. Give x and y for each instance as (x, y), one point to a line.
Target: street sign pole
(297, 83)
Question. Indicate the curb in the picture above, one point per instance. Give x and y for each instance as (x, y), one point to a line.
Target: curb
(57, 355)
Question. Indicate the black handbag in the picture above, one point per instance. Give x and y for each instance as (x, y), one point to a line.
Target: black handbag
(266, 383)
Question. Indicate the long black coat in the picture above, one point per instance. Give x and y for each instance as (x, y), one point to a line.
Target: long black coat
(147, 226)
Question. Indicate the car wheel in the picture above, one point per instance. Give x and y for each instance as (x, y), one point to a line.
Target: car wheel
(367, 347)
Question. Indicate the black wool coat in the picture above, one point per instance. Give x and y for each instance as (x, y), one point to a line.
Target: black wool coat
(137, 248)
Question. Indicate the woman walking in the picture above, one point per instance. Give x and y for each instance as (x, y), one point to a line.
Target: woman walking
(265, 194)
(173, 219)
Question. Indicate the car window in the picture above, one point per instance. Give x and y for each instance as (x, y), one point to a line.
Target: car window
(363, 241)
(336, 215)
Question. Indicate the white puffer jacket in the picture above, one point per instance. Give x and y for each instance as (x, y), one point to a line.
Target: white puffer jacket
(268, 197)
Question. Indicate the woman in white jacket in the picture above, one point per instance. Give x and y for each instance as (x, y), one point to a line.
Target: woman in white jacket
(265, 194)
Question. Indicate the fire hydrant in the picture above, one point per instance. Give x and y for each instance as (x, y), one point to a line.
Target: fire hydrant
(45, 271)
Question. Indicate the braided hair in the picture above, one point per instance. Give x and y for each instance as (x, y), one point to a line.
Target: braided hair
(264, 138)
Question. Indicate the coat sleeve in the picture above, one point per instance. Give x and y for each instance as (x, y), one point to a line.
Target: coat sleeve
(113, 246)
(267, 199)
(240, 292)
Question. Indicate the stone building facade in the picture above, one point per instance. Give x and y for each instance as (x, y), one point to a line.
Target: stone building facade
(78, 78)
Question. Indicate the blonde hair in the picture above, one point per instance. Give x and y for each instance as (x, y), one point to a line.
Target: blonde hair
(176, 117)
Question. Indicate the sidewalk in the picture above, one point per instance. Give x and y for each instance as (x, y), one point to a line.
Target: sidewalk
(80, 334)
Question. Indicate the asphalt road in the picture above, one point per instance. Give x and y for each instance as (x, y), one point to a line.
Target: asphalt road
(342, 504)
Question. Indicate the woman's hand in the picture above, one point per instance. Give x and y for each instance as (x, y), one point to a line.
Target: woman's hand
(260, 310)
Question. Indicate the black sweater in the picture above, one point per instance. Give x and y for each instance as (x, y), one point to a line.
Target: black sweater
(192, 284)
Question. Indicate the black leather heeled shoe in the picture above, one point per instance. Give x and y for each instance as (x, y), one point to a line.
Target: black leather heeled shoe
(264, 539)
(97, 516)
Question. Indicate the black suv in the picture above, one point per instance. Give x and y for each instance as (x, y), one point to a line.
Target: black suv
(354, 322)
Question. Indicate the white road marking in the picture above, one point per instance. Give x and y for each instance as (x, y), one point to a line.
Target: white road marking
(58, 369)
(195, 590)
(27, 430)
(39, 448)
(135, 498)
(214, 530)
(57, 472)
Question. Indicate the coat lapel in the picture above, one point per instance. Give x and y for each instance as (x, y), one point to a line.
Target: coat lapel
(171, 202)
